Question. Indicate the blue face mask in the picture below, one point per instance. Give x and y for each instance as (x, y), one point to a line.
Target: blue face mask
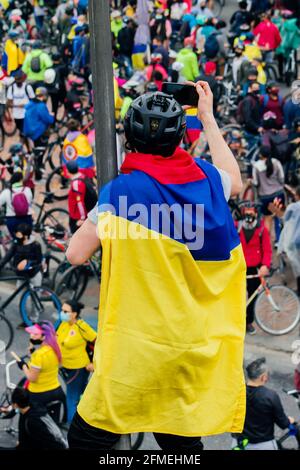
(64, 316)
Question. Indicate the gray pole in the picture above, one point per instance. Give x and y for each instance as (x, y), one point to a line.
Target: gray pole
(104, 114)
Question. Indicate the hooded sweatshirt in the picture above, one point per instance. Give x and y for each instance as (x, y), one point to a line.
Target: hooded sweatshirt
(37, 119)
(190, 63)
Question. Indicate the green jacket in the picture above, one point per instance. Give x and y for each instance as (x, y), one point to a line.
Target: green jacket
(189, 60)
(116, 26)
(45, 62)
(290, 34)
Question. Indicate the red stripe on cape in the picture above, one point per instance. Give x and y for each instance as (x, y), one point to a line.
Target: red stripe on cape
(180, 168)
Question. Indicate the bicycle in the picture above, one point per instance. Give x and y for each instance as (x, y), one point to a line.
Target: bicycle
(36, 304)
(294, 431)
(56, 219)
(277, 307)
(72, 281)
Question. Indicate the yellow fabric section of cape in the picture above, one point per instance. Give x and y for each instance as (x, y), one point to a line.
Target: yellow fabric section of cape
(169, 351)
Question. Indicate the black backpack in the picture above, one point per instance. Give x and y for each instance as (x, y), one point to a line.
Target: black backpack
(91, 197)
(280, 146)
(35, 63)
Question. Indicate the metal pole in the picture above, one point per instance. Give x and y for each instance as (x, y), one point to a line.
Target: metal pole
(104, 106)
(104, 113)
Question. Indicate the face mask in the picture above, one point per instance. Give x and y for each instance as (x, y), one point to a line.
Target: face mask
(64, 316)
(256, 93)
(36, 342)
(249, 222)
(238, 54)
(20, 241)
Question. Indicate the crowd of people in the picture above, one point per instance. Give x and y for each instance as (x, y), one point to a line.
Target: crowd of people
(46, 89)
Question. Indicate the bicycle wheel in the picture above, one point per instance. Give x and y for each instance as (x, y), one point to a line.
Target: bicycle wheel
(279, 312)
(6, 333)
(73, 282)
(38, 304)
(57, 184)
(8, 124)
(218, 6)
(53, 157)
(271, 72)
(57, 219)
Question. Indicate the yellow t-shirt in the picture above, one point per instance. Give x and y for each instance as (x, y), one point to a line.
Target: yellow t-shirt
(46, 361)
(72, 340)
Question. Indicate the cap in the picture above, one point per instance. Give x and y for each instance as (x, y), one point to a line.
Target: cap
(34, 329)
(116, 14)
(210, 67)
(172, 54)
(13, 34)
(41, 91)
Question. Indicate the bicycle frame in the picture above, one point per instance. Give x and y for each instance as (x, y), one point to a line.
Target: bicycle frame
(16, 292)
(263, 286)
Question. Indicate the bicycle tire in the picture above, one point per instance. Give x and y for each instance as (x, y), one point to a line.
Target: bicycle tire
(265, 313)
(46, 296)
(57, 218)
(9, 126)
(136, 443)
(51, 156)
(52, 185)
(271, 73)
(6, 333)
(73, 282)
(48, 277)
(218, 7)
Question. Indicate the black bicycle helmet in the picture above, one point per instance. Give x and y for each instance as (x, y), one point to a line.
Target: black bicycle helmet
(155, 124)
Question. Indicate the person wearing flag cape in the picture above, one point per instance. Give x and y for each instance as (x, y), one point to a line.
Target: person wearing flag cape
(171, 326)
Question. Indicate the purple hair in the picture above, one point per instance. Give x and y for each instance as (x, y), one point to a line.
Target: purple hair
(50, 338)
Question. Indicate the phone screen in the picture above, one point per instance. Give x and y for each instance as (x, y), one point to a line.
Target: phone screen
(183, 94)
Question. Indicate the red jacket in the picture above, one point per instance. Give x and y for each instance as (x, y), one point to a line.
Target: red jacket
(269, 35)
(76, 205)
(258, 251)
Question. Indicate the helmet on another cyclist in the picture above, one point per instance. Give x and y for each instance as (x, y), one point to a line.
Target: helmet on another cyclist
(155, 124)
(249, 212)
(269, 120)
(287, 14)
(56, 57)
(49, 76)
(151, 87)
(72, 167)
(37, 44)
(156, 58)
(41, 92)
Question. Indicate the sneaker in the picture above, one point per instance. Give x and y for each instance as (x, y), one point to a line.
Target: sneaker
(250, 329)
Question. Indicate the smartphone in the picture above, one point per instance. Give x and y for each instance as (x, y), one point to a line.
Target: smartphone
(183, 94)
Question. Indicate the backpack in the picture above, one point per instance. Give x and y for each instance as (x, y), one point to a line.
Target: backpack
(280, 146)
(91, 197)
(211, 47)
(20, 203)
(35, 64)
(267, 99)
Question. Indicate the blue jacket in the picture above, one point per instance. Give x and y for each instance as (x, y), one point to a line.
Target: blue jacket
(37, 119)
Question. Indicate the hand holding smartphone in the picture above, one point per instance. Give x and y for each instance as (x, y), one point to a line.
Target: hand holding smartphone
(185, 95)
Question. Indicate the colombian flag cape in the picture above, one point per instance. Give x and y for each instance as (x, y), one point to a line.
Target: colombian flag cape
(169, 352)
(77, 147)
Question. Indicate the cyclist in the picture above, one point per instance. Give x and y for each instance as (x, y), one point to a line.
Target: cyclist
(18, 200)
(42, 370)
(82, 196)
(13, 56)
(36, 63)
(76, 147)
(36, 123)
(268, 36)
(249, 114)
(272, 101)
(263, 410)
(146, 394)
(37, 430)
(26, 253)
(268, 177)
(257, 247)
(74, 335)
(19, 94)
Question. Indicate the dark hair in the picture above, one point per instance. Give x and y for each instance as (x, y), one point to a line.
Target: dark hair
(243, 5)
(256, 368)
(72, 167)
(25, 229)
(21, 397)
(75, 306)
(73, 125)
(16, 178)
(266, 153)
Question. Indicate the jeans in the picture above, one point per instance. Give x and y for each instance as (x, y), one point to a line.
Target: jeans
(76, 381)
(82, 436)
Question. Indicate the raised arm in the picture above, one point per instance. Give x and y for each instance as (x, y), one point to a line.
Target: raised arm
(221, 154)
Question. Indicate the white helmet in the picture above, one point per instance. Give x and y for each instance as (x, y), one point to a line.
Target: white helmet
(50, 76)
